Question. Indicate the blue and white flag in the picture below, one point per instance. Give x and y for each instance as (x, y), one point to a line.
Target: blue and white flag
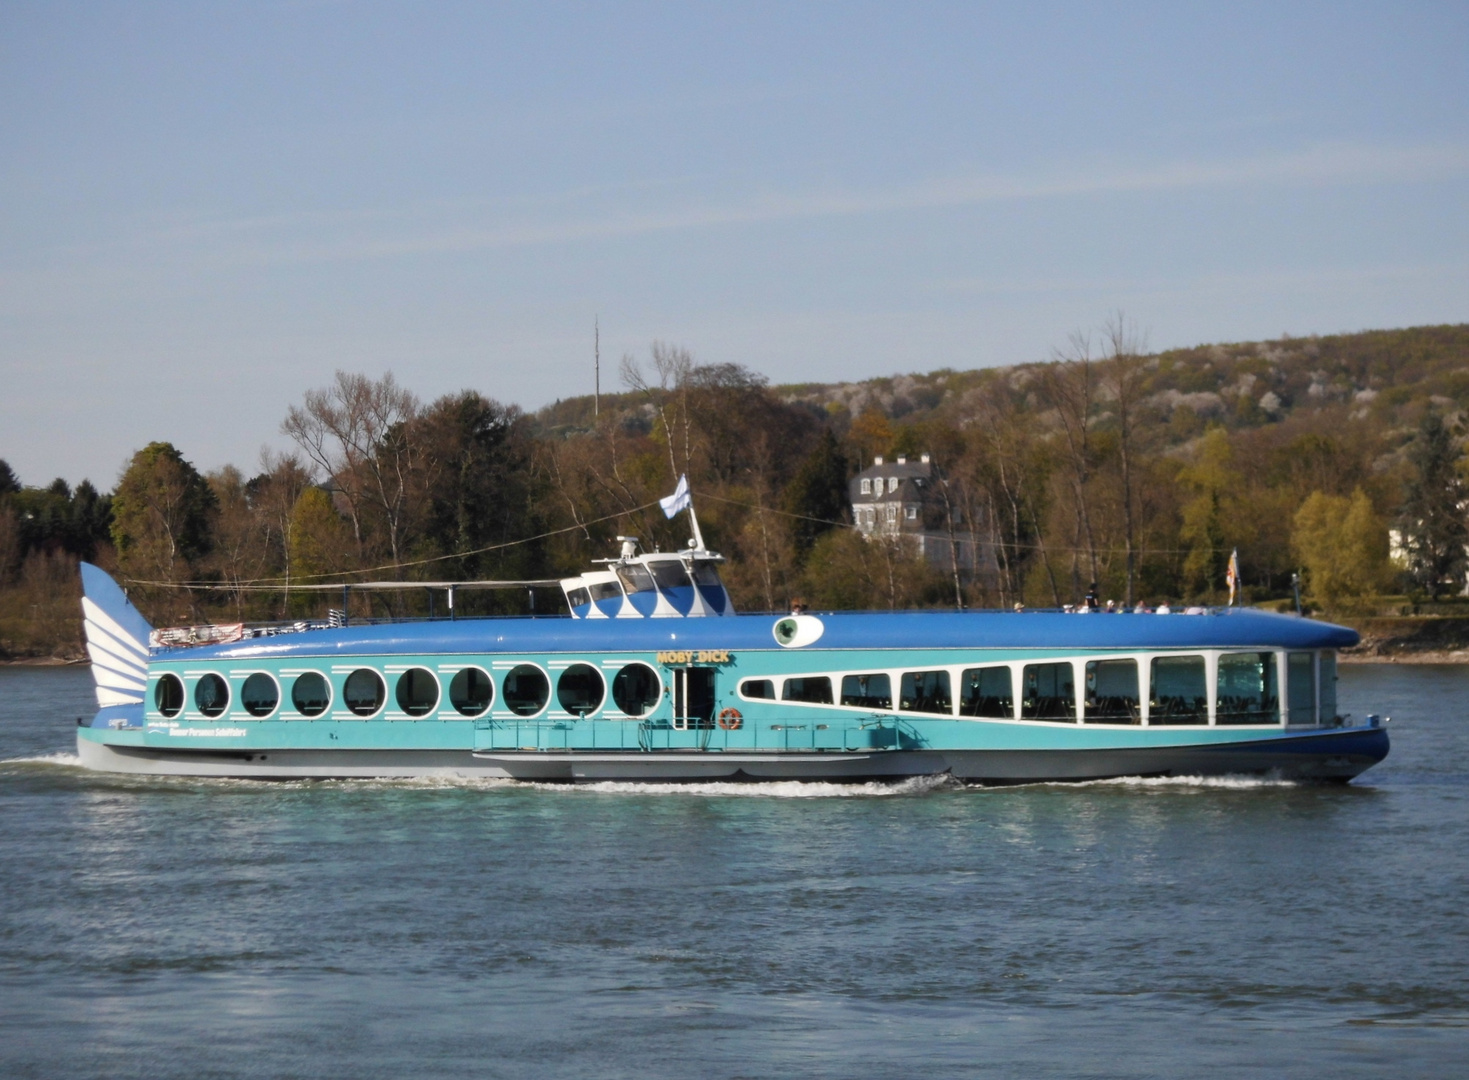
(679, 500)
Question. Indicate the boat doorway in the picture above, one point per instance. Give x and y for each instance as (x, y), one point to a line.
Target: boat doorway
(693, 698)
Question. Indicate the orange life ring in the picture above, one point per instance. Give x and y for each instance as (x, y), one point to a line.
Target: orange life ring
(730, 719)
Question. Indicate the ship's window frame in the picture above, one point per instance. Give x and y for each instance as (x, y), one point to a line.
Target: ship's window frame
(1293, 658)
(581, 667)
(1073, 717)
(1190, 718)
(1092, 674)
(1326, 702)
(670, 574)
(980, 669)
(382, 692)
(175, 692)
(635, 578)
(815, 688)
(911, 701)
(331, 695)
(545, 699)
(604, 590)
(578, 597)
(1269, 668)
(879, 701)
(657, 695)
(489, 679)
(705, 573)
(245, 685)
(398, 692)
(747, 695)
(216, 710)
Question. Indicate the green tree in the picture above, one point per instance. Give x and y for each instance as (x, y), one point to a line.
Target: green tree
(1432, 520)
(1204, 531)
(1342, 545)
(817, 494)
(162, 515)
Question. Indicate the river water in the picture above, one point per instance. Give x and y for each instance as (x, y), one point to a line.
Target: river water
(177, 928)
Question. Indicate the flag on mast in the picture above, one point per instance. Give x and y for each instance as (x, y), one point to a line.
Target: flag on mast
(679, 500)
(1231, 575)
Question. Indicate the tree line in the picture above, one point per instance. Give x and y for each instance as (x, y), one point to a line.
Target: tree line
(1105, 466)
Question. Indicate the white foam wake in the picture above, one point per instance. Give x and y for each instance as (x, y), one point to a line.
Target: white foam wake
(767, 789)
(1228, 782)
(68, 760)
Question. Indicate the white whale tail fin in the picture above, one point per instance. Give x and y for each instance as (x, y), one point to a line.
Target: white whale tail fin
(117, 640)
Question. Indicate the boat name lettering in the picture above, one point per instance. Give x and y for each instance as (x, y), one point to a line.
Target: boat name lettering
(694, 656)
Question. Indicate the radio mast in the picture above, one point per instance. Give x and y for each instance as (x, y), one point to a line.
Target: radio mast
(596, 367)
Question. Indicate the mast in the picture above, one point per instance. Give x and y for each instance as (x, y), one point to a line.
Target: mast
(597, 366)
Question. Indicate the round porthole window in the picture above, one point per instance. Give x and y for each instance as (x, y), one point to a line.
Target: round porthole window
(418, 691)
(168, 695)
(311, 694)
(211, 695)
(636, 689)
(364, 692)
(580, 689)
(471, 691)
(526, 690)
(260, 695)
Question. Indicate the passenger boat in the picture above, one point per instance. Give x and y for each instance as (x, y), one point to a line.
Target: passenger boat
(653, 677)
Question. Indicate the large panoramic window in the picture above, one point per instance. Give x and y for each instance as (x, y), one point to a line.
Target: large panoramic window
(260, 695)
(580, 689)
(812, 689)
(1328, 686)
(1300, 674)
(1111, 692)
(311, 693)
(1048, 692)
(636, 689)
(211, 695)
(1247, 689)
(364, 692)
(986, 692)
(168, 695)
(926, 691)
(418, 691)
(471, 691)
(1179, 691)
(669, 575)
(526, 690)
(867, 691)
(635, 578)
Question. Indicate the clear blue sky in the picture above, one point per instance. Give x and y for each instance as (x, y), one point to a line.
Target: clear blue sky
(207, 208)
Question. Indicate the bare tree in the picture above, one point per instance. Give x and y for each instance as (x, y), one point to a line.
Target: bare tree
(356, 431)
(674, 366)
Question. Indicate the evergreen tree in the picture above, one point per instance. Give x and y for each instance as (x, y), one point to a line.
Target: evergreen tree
(817, 494)
(1433, 527)
(163, 513)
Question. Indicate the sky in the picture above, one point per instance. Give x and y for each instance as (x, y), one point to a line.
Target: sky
(207, 209)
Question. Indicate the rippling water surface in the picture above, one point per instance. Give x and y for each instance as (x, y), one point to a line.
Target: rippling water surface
(179, 928)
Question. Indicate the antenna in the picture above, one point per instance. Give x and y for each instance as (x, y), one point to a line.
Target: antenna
(597, 366)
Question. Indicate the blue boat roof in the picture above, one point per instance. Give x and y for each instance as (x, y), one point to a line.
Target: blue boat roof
(1223, 628)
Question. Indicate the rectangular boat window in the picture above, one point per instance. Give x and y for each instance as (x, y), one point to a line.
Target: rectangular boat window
(605, 590)
(635, 578)
(1111, 692)
(813, 689)
(578, 598)
(758, 688)
(926, 691)
(1328, 686)
(867, 691)
(986, 692)
(1049, 692)
(1300, 687)
(1179, 692)
(1247, 691)
(670, 575)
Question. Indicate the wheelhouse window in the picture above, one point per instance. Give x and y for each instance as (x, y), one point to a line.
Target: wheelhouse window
(867, 691)
(605, 590)
(705, 573)
(1247, 691)
(636, 689)
(1300, 674)
(471, 691)
(168, 695)
(364, 692)
(926, 692)
(311, 693)
(418, 691)
(670, 575)
(1178, 692)
(1049, 692)
(1328, 687)
(635, 578)
(1111, 692)
(580, 689)
(526, 690)
(578, 598)
(260, 695)
(987, 692)
(758, 688)
(812, 689)
(211, 695)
